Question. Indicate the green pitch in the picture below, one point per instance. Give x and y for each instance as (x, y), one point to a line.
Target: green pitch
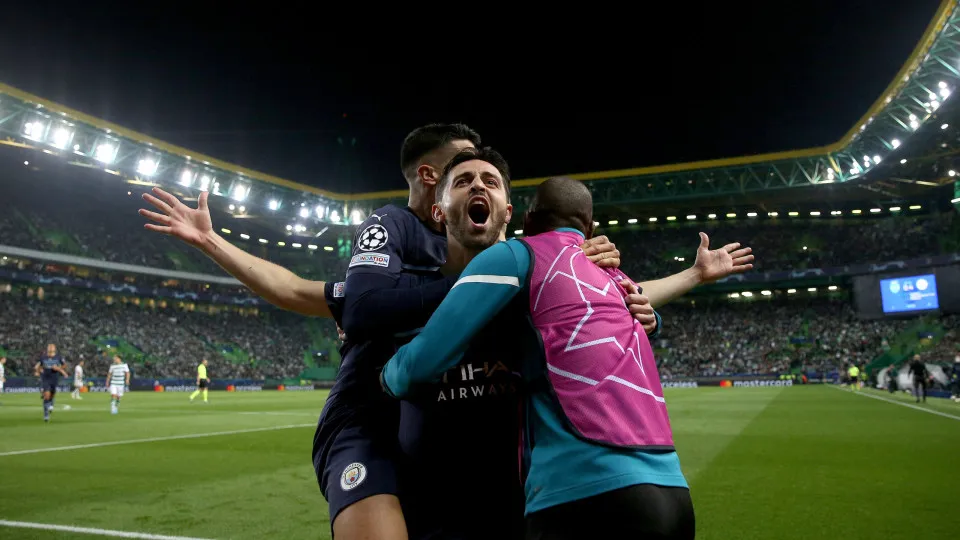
(803, 462)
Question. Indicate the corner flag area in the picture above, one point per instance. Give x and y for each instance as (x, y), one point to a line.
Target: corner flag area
(798, 462)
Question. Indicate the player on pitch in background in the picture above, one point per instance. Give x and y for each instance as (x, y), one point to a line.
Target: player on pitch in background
(118, 378)
(3, 372)
(77, 379)
(49, 368)
(202, 381)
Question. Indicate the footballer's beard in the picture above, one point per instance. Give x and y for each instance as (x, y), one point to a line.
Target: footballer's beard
(461, 228)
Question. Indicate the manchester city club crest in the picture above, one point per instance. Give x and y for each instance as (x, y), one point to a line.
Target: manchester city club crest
(353, 476)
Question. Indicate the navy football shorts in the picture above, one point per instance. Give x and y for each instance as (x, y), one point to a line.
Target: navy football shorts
(48, 385)
(356, 457)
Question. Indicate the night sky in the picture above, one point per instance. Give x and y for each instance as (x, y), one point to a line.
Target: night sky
(327, 102)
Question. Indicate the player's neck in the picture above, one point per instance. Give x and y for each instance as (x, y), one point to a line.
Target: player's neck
(458, 256)
(423, 208)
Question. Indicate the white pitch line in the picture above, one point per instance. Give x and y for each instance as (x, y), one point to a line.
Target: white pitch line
(152, 439)
(275, 413)
(85, 530)
(895, 402)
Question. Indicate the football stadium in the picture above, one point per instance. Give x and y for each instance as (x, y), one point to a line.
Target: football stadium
(816, 395)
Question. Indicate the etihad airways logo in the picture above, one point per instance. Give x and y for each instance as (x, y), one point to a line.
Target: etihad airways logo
(492, 379)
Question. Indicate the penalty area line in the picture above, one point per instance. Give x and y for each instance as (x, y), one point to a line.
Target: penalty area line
(153, 439)
(902, 404)
(87, 530)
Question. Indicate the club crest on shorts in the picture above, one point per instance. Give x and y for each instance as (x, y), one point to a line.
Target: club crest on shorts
(353, 476)
(338, 289)
(373, 238)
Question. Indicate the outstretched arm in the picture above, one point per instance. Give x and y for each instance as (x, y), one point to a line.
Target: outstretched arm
(272, 282)
(710, 266)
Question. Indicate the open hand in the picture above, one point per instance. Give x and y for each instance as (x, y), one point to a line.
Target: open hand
(192, 225)
(713, 265)
(602, 252)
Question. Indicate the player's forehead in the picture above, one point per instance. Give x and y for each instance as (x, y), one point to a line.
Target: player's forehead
(475, 167)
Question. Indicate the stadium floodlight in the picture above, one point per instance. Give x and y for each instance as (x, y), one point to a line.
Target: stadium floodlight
(319, 210)
(902, 161)
(240, 192)
(835, 212)
(932, 96)
(793, 214)
(829, 173)
(815, 213)
(747, 294)
(334, 216)
(312, 246)
(242, 209)
(951, 172)
(245, 236)
(613, 222)
(773, 214)
(296, 245)
(26, 163)
(942, 84)
(105, 153)
(356, 217)
(232, 207)
(804, 248)
(894, 208)
(289, 227)
(856, 212)
(205, 183)
(34, 130)
(914, 125)
(692, 217)
(731, 215)
(944, 126)
(596, 223)
(147, 166)
(874, 210)
(876, 159)
(895, 143)
(955, 201)
(944, 93)
(281, 243)
(225, 231)
(186, 178)
(263, 240)
(671, 218)
(751, 214)
(299, 228)
(766, 293)
(915, 207)
(518, 232)
(866, 160)
(76, 148)
(812, 289)
(712, 216)
(652, 220)
(791, 291)
(632, 221)
(681, 259)
(934, 104)
(304, 212)
(734, 295)
(913, 117)
(61, 137)
(328, 248)
(832, 287)
(274, 204)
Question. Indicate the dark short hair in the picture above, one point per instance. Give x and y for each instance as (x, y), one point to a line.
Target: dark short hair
(560, 202)
(487, 154)
(426, 139)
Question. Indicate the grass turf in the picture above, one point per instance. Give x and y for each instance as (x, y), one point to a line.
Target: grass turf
(802, 462)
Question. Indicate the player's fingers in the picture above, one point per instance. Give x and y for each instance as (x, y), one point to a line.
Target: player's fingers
(608, 259)
(641, 309)
(159, 218)
(202, 201)
(629, 286)
(158, 228)
(739, 261)
(168, 198)
(742, 269)
(704, 241)
(157, 203)
(597, 245)
(741, 252)
(729, 248)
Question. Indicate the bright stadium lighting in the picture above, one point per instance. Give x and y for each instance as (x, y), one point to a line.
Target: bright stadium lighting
(692, 217)
(915, 207)
(518, 232)
(240, 192)
(835, 212)
(299, 228)
(942, 84)
(804, 248)
(902, 161)
(681, 259)
(856, 212)
(773, 214)
(613, 222)
(289, 227)
(281, 243)
(832, 287)
(793, 214)
(747, 294)
(296, 245)
(312, 246)
(931, 95)
(671, 218)
(76, 148)
(274, 204)
(735, 295)
(147, 166)
(791, 291)
(895, 143)
(356, 217)
(914, 124)
(944, 126)
(894, 208)
(334, 216)
(304, 212)
(263, 240)
(245, 236)
(951, 172)
(934, 104)
(874, 210)
(712, 216)
(105, 153)
(328, 248)
(186, 178)
(205, 182)
(596, 223)
(812, 289)
(866, 160)
(225, 231)
(232, 207)
(815, 213)
(653, 219)
(632, 221)
(242, 208)
(34, 130)
(830, 173)
(26, 163)
(319, 210)
(913, 117)
(731, 215)
(751, 214)
(766, 293)
(61, 137)
(876, 159)
(955, 201)
(944, 93)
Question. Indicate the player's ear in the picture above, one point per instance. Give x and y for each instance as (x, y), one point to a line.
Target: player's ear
(438, 214)
(428, 175)
(509, 212)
